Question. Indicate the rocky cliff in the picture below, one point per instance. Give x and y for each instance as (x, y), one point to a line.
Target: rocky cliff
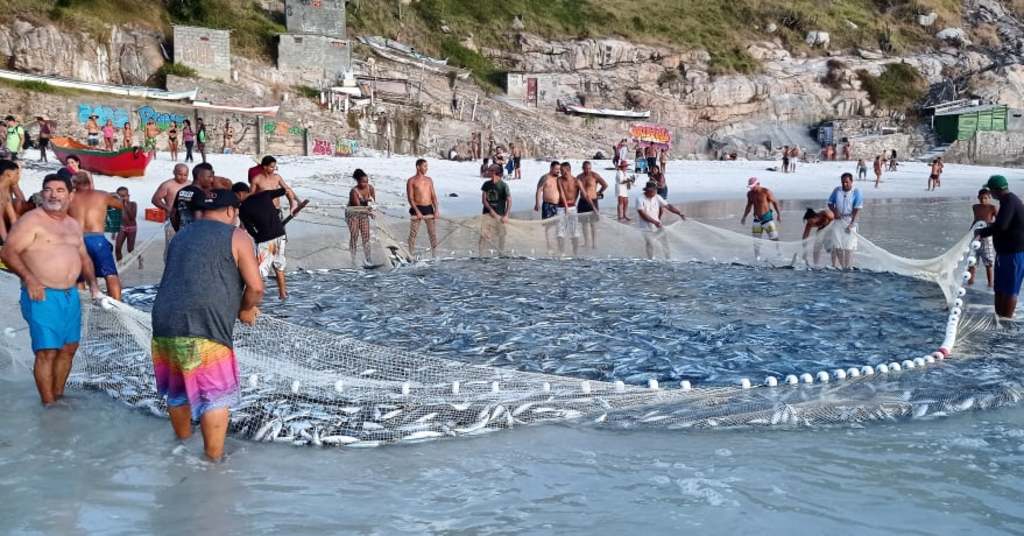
(125, 56)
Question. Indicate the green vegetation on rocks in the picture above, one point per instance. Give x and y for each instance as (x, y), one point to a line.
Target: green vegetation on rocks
(898, 87)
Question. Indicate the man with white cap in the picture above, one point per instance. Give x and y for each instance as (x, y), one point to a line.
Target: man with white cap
(649, 208)
(766, 210)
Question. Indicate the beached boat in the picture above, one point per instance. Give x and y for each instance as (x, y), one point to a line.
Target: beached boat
(129, 162)
(605, 112)
(399, 53)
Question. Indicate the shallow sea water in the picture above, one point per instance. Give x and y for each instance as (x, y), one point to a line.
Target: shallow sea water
(95, 466)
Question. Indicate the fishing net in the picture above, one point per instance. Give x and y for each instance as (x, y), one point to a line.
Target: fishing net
(308, 387)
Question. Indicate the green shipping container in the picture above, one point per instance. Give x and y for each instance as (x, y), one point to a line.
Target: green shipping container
(963, 126)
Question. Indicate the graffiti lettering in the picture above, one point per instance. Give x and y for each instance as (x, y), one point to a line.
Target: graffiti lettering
(282, 129)
(323, 147)
(346, 148)
(653, 134)
(162, 119)
(118, 116)
(197, 53)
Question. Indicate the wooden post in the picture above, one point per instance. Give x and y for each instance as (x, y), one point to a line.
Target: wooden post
(259, 135)
(476, 98)
(305, 142)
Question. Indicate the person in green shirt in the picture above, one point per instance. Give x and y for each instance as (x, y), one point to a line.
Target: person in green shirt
(497, 201)
(15, 137)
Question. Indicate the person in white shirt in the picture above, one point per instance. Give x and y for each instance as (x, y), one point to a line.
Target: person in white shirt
(649, 208)
(845, 203)
(623, 183)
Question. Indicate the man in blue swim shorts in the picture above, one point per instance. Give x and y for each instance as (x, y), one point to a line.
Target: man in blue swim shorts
(1007, 234)
(46, 250)
(89, 207)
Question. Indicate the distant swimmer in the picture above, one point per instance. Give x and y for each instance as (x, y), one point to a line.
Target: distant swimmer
(1007, 232)
(211, 278)
(165, 194)
(816, 222)
(985, 212)
(263, 221)
(569, 189)
(361, 200)
(45, 249)
(423, 206)
(89, 207)
(766, 213)
(589, 195)
(547, 199)
(269, 179)
(845, 203)
(497, 200)
(649, 207)
(623, 183)
(935, 177)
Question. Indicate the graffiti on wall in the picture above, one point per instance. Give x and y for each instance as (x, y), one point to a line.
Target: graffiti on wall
(119, 116)
(282, 129)
(198, 52)
(329, 148)
(162, 119)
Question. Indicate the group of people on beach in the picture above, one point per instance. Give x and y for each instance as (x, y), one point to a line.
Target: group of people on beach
(223, 238)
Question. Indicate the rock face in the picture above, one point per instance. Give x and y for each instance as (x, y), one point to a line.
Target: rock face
(130, 56)
(955, 36)
(818, 39)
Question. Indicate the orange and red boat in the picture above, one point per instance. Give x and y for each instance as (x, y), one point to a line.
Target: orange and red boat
(129, 162)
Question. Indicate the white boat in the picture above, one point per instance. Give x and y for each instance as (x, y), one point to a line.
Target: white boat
(398, 53)
(257, 110)
(128, 91)
(605, 112)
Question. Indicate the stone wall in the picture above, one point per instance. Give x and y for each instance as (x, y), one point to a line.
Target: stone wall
(988, 148)
(206, 50)
(322, 17)
(314, 58)
(868, 147)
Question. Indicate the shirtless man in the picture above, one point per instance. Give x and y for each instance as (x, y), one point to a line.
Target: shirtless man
(517, 160)
(547, 199)
(589, 196)
(45, 249)
(816, 221)
(935, 179)
(129, 225)
(766, 213)
(268, 179)
(149, 135)
(985, 211)
(89, 207)
(569, 189)
(164, 196)
(92, 132)
(10, 175)
(419, 190)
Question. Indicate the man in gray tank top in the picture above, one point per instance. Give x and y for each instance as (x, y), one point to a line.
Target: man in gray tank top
(210, 278)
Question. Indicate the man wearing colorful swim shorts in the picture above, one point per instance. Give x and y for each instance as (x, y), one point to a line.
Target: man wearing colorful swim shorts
(89, 206)
(45, 249)
(1007, 234)
(766, 212)
(194, 318)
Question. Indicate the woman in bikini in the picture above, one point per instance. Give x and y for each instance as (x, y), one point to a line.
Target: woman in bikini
(126, 136)
(189, 137)
(172, 140)
(361, 200)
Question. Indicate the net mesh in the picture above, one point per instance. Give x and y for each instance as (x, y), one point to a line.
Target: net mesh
(307, 387)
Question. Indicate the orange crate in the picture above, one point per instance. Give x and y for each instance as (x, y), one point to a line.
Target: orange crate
(156, 214)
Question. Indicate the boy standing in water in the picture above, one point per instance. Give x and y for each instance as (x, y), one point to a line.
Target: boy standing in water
(985, 211)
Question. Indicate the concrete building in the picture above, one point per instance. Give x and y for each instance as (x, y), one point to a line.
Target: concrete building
(314, 58)
(315, 49)
(206, 50)
(319, 17)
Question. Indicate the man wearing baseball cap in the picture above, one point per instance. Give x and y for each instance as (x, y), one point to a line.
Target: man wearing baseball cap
(623, 183)
(766, 212)
(210, 278)
(1007, 234)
